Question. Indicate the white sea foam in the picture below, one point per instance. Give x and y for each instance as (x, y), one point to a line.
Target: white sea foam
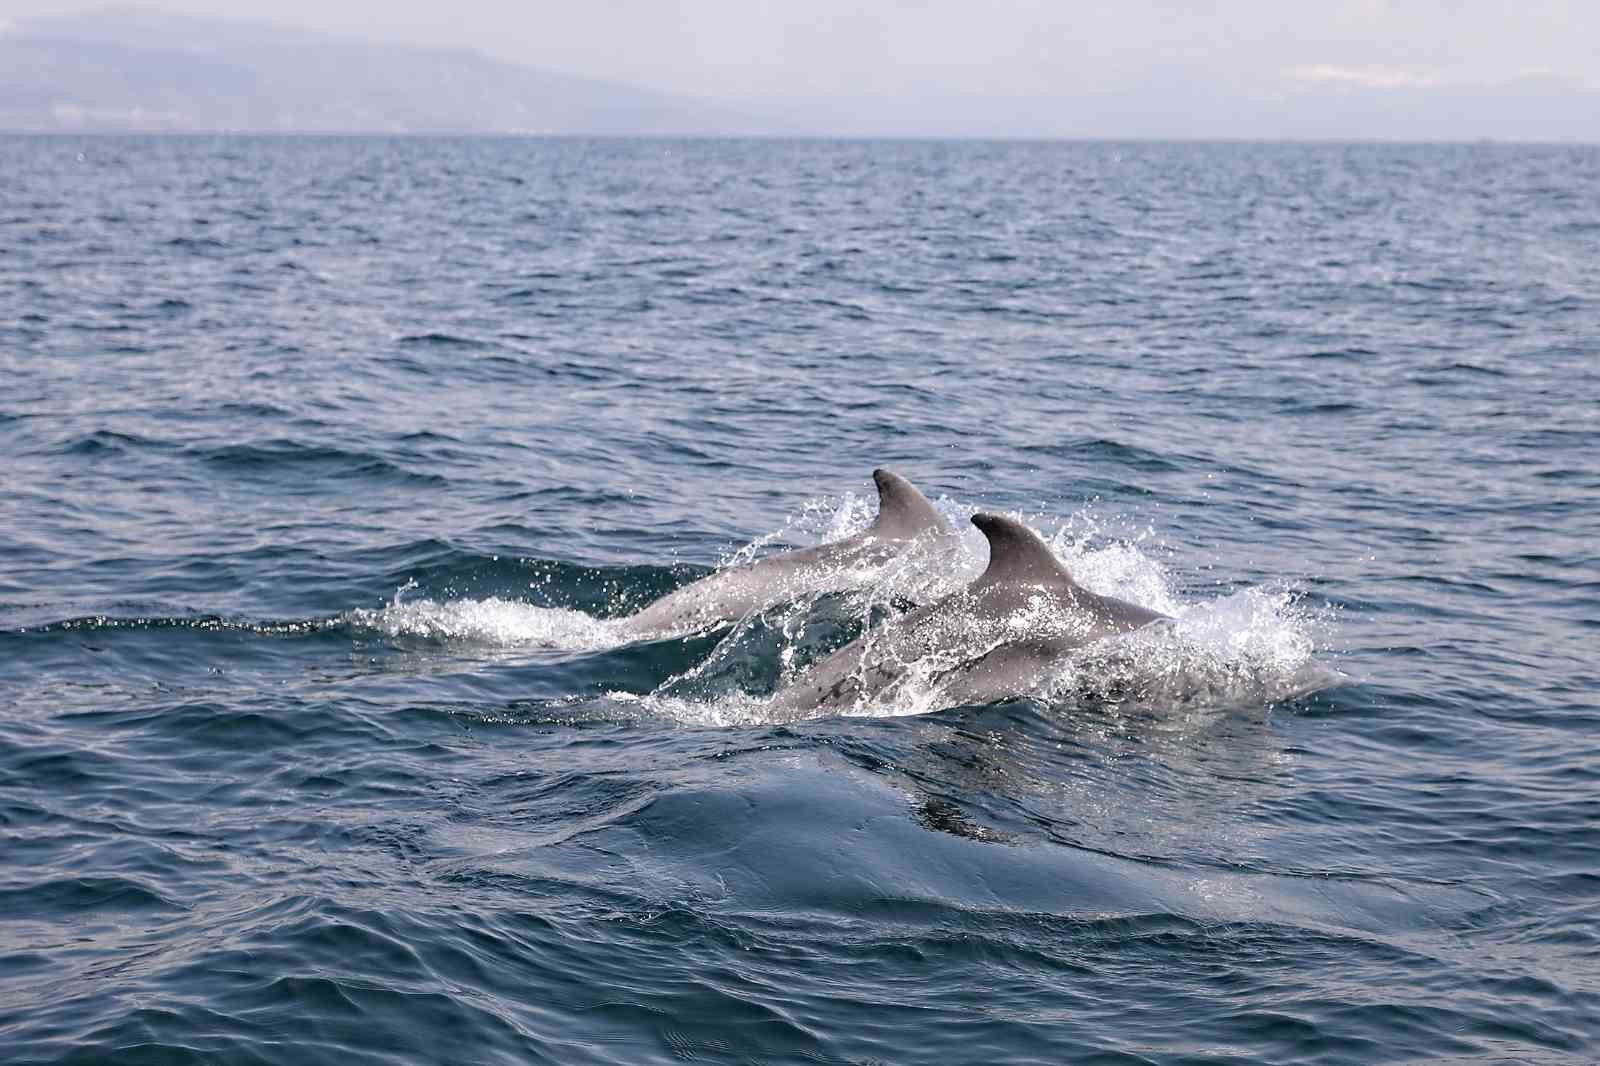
(733, 709)
(1256, 646)
(493, 621)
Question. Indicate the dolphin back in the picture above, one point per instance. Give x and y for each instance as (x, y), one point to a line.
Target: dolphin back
(904, 515)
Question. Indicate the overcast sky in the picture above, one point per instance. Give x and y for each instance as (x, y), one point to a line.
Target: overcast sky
(924, 51)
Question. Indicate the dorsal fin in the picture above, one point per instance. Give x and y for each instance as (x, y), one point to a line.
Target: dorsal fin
(903, 512)
(1017, 554)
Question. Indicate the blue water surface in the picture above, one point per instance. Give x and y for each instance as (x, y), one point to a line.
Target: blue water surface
(325, 460)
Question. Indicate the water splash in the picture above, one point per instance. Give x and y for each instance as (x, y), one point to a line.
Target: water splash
(820, 520)
(1256, 646)
(1253, 647)
(915, 575)
(492, 621)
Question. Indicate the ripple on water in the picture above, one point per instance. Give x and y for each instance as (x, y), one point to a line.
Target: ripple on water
(321, 743)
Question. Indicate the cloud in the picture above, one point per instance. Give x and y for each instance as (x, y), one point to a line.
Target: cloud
(1327, 74)
(1340, 77)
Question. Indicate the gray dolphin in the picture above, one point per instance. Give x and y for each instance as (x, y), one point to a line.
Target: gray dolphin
(992, 639)
(905, 519)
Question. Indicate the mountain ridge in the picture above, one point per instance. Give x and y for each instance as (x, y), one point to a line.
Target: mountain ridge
(135, 69)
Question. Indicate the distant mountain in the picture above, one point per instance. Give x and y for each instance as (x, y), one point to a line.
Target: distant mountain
(132, 69)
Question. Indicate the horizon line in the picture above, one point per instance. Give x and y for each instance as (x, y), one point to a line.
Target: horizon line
(1021, 138)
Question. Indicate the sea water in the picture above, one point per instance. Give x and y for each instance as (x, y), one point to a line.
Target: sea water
(325, 465)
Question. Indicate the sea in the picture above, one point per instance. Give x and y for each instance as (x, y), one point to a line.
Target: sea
(326, 464)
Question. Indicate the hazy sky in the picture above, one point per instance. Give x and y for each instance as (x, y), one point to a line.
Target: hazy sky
(851, 48)
(1386, 69)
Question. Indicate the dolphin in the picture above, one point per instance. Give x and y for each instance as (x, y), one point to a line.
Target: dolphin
(905, 520)
(995, 638)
